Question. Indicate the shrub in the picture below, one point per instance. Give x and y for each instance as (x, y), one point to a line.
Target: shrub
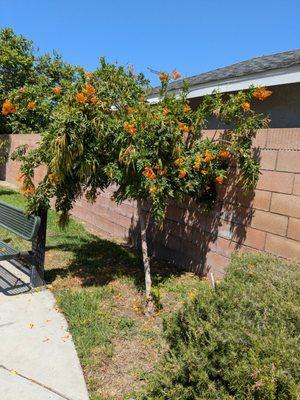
(240, 341)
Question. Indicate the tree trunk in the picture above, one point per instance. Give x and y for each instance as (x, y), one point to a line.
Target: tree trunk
(146, 261)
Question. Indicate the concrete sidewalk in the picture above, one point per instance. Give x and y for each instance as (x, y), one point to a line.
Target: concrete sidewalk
(38, 360)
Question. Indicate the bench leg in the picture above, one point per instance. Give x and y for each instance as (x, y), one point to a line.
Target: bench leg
(36, 276)
(38, 252)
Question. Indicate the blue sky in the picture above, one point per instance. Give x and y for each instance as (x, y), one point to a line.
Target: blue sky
(191, 36)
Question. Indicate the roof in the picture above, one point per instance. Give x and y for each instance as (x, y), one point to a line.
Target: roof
(255, 66)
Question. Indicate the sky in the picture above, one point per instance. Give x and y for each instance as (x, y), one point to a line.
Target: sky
(188, 35)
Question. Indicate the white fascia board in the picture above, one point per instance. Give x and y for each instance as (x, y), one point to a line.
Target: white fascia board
(281, 76)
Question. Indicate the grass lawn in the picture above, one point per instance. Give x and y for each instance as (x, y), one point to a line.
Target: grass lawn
(97, 284)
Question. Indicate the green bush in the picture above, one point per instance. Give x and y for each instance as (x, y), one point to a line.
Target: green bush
(240, 341)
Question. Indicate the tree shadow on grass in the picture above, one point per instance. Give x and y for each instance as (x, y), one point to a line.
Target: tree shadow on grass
(7, 192)
(96, 262)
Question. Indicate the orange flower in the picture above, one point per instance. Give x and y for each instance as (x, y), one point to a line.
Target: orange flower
(176, 74)
(89, 89)
(219, 179)
(196, 166)
(81, 98)
(30, 190)
(186, 109)
(57, 90)
(93, 99)
(149, 173)
(182, 174)
(204, 172)
(31, 105)
(27, 189)
(20, 178)
(261, 93)
(153, 189)
(208, 156)
(163, 77)
(246, 106)
(132, 131)
(224, 154)
(8, 107)
(166, 111)
(130, 110)
(184, 127)
(178, 162)
(130, 128)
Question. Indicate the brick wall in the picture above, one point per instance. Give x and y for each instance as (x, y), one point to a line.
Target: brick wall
(268, 219)
(12, 168)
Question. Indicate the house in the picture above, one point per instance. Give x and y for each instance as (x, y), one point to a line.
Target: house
(279, 72)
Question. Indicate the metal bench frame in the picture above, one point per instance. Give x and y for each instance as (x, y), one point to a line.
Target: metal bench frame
(31, 228)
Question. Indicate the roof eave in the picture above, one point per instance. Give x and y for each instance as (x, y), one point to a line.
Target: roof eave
(280, 76)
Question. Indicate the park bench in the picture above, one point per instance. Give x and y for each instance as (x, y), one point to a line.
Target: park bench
(27, 227)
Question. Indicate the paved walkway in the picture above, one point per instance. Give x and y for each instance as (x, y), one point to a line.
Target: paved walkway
(38, 360)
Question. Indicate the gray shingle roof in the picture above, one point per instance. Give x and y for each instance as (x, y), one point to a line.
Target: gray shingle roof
(252, 66)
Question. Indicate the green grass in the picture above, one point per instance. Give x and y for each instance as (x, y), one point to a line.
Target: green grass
(98, 286)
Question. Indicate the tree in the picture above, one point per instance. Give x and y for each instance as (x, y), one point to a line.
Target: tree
(161, 153)
(16, 61)
(103, 131)
(29, 83)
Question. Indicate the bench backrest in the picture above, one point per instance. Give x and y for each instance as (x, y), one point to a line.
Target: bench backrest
(15, 220)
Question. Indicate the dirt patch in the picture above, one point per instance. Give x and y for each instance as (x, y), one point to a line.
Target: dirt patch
(135, 351)
(123, 373)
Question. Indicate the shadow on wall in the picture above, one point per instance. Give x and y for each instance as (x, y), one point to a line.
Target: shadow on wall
(191, 236)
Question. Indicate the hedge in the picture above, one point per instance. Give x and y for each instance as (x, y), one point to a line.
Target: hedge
(239, 341)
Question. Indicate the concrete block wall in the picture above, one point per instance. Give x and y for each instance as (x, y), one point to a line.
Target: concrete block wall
(268, 219)
(12, 170)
